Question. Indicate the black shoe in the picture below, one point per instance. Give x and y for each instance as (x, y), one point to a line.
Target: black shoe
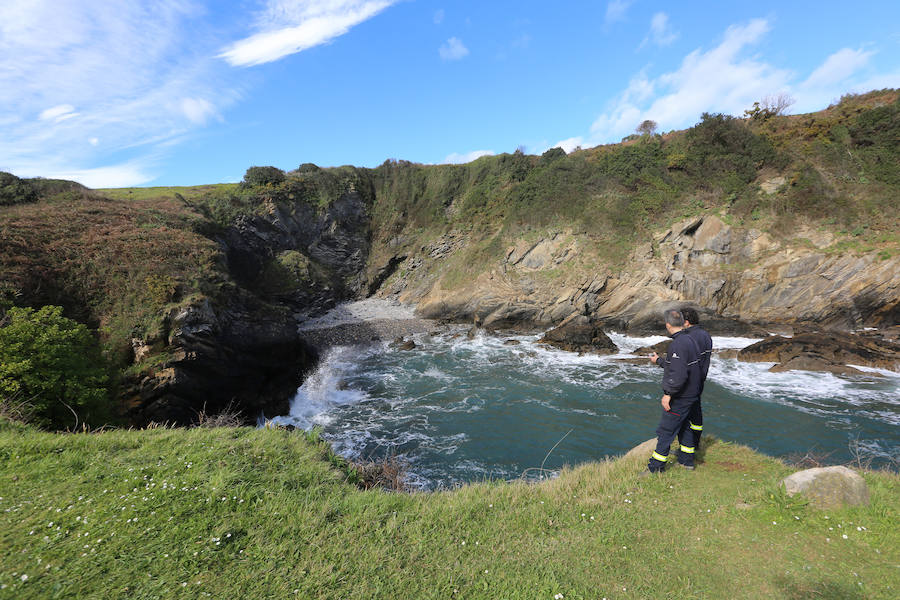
(688, 467)
(647, 473)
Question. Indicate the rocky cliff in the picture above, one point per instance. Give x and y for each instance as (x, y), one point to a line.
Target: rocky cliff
(738, 277)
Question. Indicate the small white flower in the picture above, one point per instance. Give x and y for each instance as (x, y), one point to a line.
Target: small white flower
(24, 577)
(844, 536)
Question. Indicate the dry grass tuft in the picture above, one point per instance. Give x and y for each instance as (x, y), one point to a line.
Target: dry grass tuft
(388, 473)
(229, 416)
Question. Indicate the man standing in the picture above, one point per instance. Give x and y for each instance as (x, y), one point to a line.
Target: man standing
(704, 345)
(681, 390)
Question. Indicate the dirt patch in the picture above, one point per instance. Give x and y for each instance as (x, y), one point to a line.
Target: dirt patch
(733, 466)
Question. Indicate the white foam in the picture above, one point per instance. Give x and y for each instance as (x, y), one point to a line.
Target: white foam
(883, 372)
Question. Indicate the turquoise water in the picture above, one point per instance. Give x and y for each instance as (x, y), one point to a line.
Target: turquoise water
(459, 410)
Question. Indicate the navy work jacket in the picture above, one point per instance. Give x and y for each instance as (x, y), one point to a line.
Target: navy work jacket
(681, 371)
(704, 345)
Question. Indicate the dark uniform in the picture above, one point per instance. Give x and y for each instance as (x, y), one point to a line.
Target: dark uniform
(695, 418)
(683, 383)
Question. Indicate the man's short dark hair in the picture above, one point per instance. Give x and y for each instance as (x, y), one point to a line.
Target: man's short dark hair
(674, 318)
(691, 315)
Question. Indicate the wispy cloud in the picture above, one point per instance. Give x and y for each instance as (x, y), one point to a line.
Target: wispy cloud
(123, 175)
(616, 9)
(720, 80)
(453, 49)
(58, 114)
(290, 26)
(456, 158)
(661, 32)
(568, 144)
(838, 67)
(439, 16)
(83, 82)
(728, 78)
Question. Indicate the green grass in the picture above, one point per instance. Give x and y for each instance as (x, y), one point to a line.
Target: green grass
(256, 513)
(147, 193)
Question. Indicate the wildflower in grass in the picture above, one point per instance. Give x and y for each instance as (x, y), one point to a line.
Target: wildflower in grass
(844, 535)
(557, 596)
(24, 577)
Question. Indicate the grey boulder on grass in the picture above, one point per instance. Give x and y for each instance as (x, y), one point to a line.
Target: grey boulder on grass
(829, 487)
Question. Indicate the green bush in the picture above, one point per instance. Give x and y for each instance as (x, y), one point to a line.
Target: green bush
(50, 361)
(263, 176)
(720, 146)
(15, 191)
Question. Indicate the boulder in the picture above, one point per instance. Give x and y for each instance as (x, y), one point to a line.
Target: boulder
(643, 450)
(829, 352)
(580, 336)
(403, 344)
(660, 348)
(829, 487)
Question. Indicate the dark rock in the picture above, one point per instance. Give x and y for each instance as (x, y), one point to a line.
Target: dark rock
(830, 352)
(660, 348)
(727, 353)
(407, 345)
(511, 343)
(811, 363)
(580, 337)
(472, 333)
(244, 353)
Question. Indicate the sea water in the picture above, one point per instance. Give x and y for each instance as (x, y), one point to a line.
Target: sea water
(457, 409)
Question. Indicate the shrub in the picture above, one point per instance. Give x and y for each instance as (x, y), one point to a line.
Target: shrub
(720, 145)
(52, 363)
(15, 191)
(263, 176)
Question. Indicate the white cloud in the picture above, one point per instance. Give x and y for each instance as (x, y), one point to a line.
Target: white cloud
(453, 49)
(123, 64)
(661, 32)
(457, 159)
(719, 80)
(288, 27)
(568, 144)
(58, 113)
(615, 10)
(197, 110)
(838, 67)
(439, 16)
(124, 175)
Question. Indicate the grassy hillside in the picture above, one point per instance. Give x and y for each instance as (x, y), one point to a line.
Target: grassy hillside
(258, 513)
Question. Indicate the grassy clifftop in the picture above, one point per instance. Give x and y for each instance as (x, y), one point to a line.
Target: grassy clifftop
(262, 513)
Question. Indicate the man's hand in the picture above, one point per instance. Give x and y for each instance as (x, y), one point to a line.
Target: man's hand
(666, 402)
(653, 358)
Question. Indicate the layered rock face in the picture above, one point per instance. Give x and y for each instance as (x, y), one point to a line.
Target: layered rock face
(737, 278)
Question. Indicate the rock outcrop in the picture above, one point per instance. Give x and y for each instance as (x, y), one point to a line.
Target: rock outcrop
(828, 352)
(829, 487)
(244, 354)
(580, 335)
(743, 282)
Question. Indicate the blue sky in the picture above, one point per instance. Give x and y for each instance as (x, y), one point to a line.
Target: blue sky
(179, 92)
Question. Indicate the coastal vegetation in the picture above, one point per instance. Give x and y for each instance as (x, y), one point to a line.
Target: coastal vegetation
(104, 294)
(122, 260)
(263, 513)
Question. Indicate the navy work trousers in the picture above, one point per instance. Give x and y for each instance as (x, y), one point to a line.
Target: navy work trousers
(677, 422)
